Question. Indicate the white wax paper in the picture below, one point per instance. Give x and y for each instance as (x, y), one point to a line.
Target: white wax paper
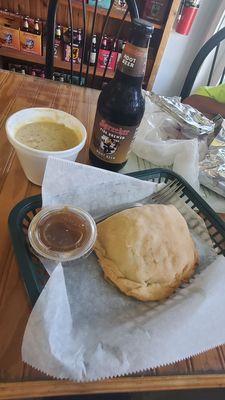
(82, 328)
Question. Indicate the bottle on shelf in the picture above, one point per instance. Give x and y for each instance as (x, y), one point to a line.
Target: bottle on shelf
(75, 34)
(80, 45)
(25, 27)
(114, 45)
(42, 74)
(104, 45)
(108, 48)
(117, 119)
(58, 33)
(58, 40)
(79, 38)
(61, 78)
(93, 50)
(76, 44)
(6, 12)
(75, 38)
(23, 71)
(17, 17)
(37, 26)
(67, 35)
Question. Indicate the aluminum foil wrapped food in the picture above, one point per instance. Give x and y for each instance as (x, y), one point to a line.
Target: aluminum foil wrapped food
(212, 168)
(190, 122)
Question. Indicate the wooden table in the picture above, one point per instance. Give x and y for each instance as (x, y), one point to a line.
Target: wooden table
(18, 380)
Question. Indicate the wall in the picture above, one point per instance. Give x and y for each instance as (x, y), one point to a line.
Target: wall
(181, 50)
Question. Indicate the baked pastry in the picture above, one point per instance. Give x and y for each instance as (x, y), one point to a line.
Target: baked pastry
(147, 252)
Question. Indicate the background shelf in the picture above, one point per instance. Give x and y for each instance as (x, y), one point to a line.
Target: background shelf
(38, 8)
(58, 62)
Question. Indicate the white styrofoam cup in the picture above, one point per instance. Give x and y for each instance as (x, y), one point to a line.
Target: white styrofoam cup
(33, 161)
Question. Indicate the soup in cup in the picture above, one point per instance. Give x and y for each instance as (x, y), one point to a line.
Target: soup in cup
(37, 133)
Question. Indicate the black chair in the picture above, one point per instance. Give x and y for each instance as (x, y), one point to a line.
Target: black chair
(213, 43)
(50, 36)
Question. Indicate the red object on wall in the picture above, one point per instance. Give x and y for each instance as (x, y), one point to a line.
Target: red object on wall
(187, 18)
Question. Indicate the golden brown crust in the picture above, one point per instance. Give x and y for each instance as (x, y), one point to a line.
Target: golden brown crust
(147, 252)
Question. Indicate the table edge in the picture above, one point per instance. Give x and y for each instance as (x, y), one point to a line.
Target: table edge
(16, 390)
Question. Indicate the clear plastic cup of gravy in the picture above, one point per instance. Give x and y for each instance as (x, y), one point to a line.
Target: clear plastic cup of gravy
(62, 233)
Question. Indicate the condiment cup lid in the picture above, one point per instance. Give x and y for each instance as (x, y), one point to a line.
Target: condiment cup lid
(62, 233)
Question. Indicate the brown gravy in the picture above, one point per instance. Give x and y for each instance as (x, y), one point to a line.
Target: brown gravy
(63, 231)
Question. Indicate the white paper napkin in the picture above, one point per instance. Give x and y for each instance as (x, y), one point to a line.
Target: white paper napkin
(82, 328)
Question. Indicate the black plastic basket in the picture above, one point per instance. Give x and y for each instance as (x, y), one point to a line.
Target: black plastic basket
(33, 272)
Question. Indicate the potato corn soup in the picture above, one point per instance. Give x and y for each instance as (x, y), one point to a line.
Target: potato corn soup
(48, 136)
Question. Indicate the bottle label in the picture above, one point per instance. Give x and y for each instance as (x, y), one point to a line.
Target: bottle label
(103, 59)
(133, 61)
(92, 58)
(111, 142)
(76, 52)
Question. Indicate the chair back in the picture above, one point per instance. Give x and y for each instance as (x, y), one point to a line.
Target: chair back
(214, 43)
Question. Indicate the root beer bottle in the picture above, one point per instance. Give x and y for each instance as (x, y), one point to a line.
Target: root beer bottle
(121, 104)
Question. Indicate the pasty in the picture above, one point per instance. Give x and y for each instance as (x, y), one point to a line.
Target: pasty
(147, 252)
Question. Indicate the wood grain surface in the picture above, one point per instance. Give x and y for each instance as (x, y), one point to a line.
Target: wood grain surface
(19, 380)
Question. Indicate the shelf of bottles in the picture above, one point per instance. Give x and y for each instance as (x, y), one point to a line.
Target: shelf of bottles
(22, 39)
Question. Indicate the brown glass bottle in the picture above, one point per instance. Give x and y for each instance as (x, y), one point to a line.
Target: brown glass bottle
(93, 51)
(25, 27)
(58, 33)
(104, 45)
(37, 27)
(121, 104)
